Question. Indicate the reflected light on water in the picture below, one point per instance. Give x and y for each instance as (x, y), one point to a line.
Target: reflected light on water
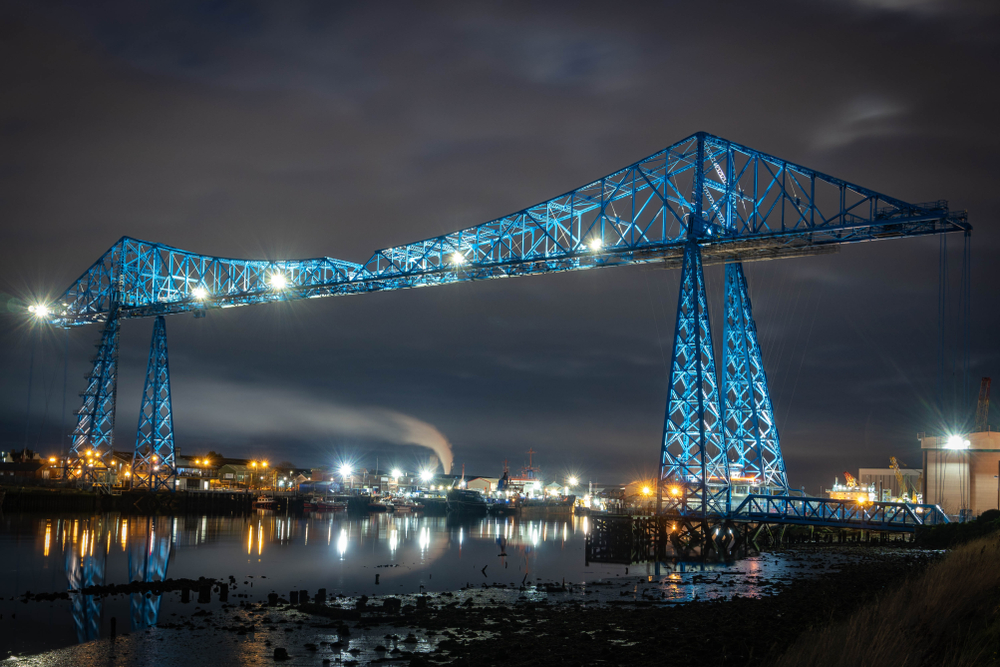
(250, 541)
(342, 543)
(393, 540)
(48, 537)
(425, 540)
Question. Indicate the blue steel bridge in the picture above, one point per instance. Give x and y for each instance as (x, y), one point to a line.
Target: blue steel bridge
(703, 200)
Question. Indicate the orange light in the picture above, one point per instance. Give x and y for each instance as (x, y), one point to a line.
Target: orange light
(646, 491)
(675, 490)
(52, 459)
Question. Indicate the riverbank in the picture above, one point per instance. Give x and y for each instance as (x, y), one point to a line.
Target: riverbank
(620, 621)
(947, 615)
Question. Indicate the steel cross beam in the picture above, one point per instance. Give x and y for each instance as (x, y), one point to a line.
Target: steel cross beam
(740, 204)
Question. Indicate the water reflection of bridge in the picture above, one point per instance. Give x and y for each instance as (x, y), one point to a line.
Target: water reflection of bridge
(148, 543)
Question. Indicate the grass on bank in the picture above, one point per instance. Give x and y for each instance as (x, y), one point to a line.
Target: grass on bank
(948, 615)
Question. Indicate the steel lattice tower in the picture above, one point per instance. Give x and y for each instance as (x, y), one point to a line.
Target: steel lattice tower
(153, 465)
(694, 475)
(752, 442)
(93, 438)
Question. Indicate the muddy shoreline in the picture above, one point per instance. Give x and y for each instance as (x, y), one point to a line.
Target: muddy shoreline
(545, 623)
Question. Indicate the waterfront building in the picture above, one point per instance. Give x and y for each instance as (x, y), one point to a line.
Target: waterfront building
(961, 472)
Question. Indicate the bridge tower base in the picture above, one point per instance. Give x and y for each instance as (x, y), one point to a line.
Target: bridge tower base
(153, 465)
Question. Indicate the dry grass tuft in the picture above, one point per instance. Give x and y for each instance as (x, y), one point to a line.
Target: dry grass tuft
(948, 615)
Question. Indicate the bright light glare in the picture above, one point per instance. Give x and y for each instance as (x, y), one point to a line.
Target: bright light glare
(457, 258)
(595, 244)
(41, 311)
(396, 474)
(646, 491)
(278, 281)
(675, 491)
(426, 475)
(199, 293)
(956, 442)
(345, 470)
(573, 481)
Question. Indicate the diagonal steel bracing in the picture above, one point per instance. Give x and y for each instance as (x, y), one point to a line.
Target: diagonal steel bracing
(694, 476)
(153, 464)
(93, 438)
(751, 434)
(741, 204)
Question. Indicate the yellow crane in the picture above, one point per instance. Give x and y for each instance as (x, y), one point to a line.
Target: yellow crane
(894, 464)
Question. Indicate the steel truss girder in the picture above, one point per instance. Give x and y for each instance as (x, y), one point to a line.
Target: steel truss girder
(153, 464)
(837, 513)
(694, 475)
(93, 437)
(739, 203)
(754, 451)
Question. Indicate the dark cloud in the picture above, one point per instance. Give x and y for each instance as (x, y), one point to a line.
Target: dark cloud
(297, 130)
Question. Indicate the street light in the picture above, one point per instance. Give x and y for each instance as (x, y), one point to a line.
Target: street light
(573, 481)
(396, 474)
(426, 475)
(39, 310)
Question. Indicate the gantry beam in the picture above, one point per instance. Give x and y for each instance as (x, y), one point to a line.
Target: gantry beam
(739, 204)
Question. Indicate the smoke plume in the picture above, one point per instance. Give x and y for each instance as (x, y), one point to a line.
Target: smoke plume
(215, 408)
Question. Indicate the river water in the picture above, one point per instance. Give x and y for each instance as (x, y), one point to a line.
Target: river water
(379, 554)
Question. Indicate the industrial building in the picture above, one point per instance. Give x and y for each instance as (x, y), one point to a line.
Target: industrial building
(961, 472)
(886, 481)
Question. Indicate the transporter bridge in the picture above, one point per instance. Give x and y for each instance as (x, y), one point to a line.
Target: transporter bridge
(703, 200)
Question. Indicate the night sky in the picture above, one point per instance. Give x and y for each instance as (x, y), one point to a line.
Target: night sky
(285, 130)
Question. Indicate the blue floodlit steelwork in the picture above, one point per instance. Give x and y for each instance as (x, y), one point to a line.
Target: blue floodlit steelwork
(703, 200)
(754, 451)
(740, 204)
(694, 474)
(148, 557)
(838, 513)
(153, 464)
(93, 438)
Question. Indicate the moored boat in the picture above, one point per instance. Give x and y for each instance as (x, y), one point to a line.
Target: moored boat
(466, 501)
(265, 503)
(331, 505)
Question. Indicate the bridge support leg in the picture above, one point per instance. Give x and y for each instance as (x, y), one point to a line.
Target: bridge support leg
(153, 464)
(694, 475)
(93, 438)
(753, 449)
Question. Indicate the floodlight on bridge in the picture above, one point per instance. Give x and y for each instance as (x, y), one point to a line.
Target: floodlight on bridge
(199, 293)
(278, 281)
(39, 310)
